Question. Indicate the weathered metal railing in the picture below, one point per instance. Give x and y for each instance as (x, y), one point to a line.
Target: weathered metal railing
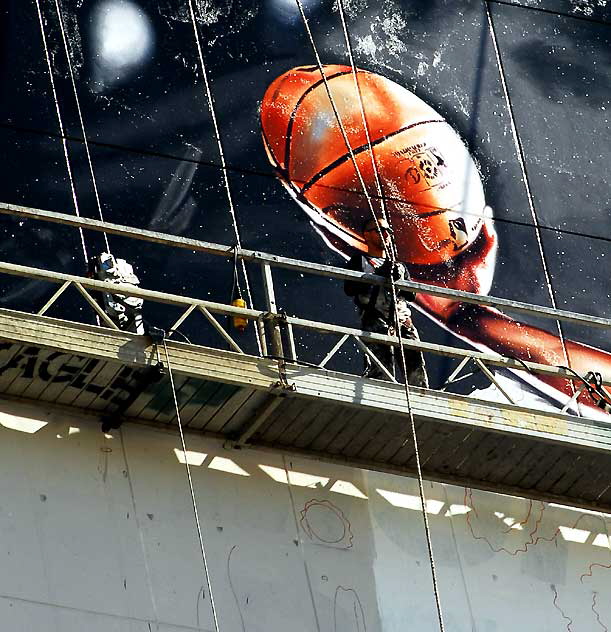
(273, 325)
(296, 265)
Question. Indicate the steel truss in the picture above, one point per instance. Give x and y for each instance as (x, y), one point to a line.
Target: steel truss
(273, 325)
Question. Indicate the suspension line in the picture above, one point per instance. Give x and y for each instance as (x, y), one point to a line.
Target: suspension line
(219, 143)
(522, 162)
(395, 310)
(191, 489)
(80, 116)
(62, 131)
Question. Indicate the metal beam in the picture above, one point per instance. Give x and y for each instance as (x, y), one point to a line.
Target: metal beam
(220, 308)
(14, 269)
(181, 319)
(297, 265)
(336, 347)
(215, 323)
(124, 348)
(275, 336)
(372, 356)
(45, 308)
(486, 371)
(91, 301)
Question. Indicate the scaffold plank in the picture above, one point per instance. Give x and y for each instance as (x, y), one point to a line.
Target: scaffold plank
(318, 413)
(219, 420)
(283, 418)
(122, 347)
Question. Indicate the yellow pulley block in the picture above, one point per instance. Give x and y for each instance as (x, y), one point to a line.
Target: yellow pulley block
(239, 322)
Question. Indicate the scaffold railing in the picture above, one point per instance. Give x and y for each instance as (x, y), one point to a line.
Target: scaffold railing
(276, 328)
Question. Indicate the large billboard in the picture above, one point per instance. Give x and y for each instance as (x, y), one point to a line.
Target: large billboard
(478, 129)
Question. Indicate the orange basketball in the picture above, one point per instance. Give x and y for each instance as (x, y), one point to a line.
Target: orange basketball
(431, 187)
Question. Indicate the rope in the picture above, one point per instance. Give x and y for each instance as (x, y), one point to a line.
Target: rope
(219, 143)
(393, 288)
(236, 277)
(427, 530)
(191, 489)
(521, 161)
(334, 107)
(80, 116)
(62, 131)
(357, 87)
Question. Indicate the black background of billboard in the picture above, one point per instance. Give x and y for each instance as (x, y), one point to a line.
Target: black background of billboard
(156, 160)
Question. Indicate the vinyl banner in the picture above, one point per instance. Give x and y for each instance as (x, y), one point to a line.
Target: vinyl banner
(478, 131)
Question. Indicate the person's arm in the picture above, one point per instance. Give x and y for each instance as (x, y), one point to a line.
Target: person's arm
(513, 339)
(489, 328)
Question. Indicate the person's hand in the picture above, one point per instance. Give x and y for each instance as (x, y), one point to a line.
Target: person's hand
(470, 271)
(393, 270)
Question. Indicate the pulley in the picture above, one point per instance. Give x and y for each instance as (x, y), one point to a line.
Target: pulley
(239, 322)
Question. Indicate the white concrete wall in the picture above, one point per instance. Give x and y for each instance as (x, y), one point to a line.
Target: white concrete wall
(97, 534)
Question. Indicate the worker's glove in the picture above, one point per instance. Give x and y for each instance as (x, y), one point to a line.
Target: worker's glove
(392, 270)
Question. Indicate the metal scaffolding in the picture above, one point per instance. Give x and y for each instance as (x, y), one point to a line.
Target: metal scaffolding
(276, 328)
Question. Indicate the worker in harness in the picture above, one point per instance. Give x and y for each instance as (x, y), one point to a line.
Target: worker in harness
(377, 308)
(124, 311)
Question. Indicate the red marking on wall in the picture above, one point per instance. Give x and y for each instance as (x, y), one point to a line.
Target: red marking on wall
(342, 538)
(533, 538)
(589, 572)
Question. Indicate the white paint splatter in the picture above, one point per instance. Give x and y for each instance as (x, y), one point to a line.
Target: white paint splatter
(353, 7)
(587, 7)
(366, 46)
(208, 13)
(387, 30)
(391, 26)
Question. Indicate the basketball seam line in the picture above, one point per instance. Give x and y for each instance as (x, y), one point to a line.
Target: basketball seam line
(338, 161)
(432, 213)
(289, 129)
(321, 213)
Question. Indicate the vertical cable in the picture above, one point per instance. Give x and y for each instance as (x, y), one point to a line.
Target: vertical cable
(219, 143)
(80, 116)
(334, 107)
(396, 319)
(522, 162)
(191, 489)
(357, 87)
(425, 519)
(60, 122)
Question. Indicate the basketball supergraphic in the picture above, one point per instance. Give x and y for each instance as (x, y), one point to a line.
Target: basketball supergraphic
(426, 182)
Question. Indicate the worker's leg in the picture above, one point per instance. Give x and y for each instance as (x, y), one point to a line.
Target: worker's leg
(414, 360)
(383, 352)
